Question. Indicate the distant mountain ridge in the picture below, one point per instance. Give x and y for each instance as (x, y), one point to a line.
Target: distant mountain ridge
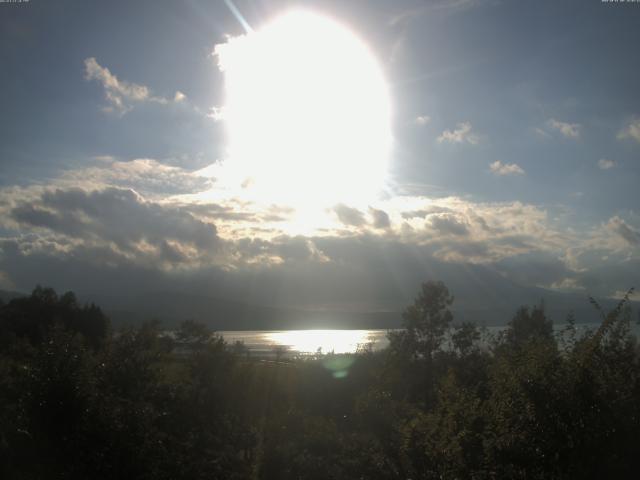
(224, 314)
(8, 295)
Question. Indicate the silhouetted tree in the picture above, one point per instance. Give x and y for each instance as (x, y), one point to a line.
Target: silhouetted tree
(529, 325)
(35, 316)
(191, 331)
(465, 337)
(425, 322)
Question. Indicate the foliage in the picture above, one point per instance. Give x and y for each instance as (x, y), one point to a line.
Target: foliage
(79, 401)
(34, 317)
(425, 322)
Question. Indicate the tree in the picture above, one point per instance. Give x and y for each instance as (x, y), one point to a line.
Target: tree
(529, 325)
(465, 337)
(192, 331)
(35, 316)
(425, 322)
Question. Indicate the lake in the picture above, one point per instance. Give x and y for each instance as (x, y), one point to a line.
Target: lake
(312, 342)
(308, 342)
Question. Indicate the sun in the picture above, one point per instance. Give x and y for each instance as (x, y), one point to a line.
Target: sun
(307, 112)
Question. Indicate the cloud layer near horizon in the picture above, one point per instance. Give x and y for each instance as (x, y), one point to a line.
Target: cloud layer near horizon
(93, 229)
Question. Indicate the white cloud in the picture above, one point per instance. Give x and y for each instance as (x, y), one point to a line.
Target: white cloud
(422, 120)
(541, 132)
(606, 164)
(462, 133)
(216, 113)
(567, 284)
(568, 130)
(631, 131)
(502, 169)
(625, 231)
(144, 175)
(120, 94)
(620, 294)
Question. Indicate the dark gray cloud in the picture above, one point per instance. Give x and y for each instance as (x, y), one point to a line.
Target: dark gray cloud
(457, 250)
(608, 279)
(380, 218)
(281, 249)
(364, 272)
(448, 224)
(535, 269)
(118, 218)
(349, 216)
(222, 212)
(235, 211)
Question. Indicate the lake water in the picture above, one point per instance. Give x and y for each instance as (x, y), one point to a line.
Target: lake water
(312, 342)
(308, 342)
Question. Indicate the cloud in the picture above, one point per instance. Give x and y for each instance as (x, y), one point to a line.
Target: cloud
(434, 7)
(216, 114)
(609, 246)
(280, 250)
(122, 95)
(632, 130)
(120, 221)
(349, 216)
(541, 269)
(326, 272)
(422, 120)
(423, 213)
(114, 239)
(472, 232)
(145, 175)
(620, 294)
(567, 284)
(502, 169)
(541, 132)
(568, 130)
(624, 230)
(606, 164)
(448, 224)
(380, 218)
(106, 218)
(462, 133)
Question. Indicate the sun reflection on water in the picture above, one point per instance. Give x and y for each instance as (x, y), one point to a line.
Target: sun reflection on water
(321, 341)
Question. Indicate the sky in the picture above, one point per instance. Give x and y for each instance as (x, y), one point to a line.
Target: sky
(508, 135)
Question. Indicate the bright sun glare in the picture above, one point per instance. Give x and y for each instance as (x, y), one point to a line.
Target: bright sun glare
(326, 341)
(307, 112)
